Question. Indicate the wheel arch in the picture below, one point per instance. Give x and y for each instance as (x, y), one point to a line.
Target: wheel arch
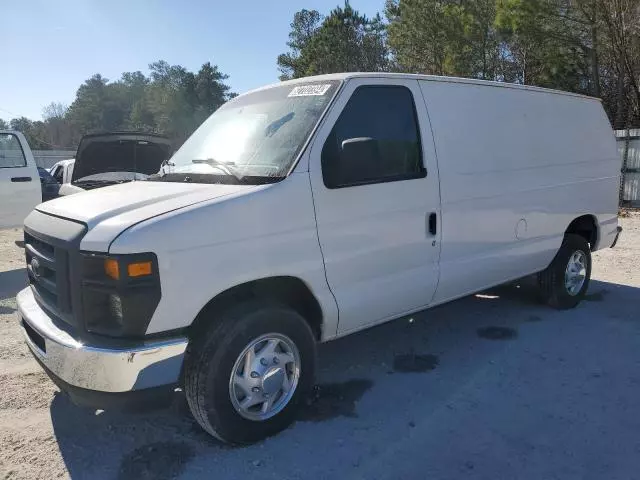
(587, 227)
(288, 290)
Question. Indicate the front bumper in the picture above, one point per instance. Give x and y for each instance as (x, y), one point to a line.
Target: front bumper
(99, 366)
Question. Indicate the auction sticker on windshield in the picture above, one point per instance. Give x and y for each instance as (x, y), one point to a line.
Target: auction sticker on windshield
(309, 90)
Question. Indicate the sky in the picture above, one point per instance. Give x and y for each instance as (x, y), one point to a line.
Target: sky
(50, 47)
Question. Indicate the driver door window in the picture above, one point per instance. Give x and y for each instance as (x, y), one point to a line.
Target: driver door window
(376, 139)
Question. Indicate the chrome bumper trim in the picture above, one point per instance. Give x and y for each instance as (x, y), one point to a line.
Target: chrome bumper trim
(95, 367)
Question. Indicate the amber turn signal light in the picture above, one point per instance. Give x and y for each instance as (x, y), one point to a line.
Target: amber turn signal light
(112, 269)
(139, 269)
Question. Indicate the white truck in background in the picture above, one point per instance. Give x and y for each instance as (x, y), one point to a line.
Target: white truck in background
(20, 189)
(63, 170)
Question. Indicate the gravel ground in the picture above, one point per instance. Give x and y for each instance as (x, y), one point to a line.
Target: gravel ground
(489, 387)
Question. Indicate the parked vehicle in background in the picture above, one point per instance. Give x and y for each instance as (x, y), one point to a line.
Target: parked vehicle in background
(306, 211)
(50, 187)
(20, 189)
(110, 158)
(63, 170)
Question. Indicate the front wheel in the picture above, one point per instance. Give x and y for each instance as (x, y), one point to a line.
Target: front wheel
(564, 283)
(245, 375)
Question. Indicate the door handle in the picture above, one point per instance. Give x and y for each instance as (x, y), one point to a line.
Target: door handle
(20, 179)
(433, 223)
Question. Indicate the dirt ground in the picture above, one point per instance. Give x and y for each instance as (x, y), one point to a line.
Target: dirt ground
(492, 386)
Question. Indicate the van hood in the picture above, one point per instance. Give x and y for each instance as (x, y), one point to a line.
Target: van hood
(109, 158)
(120, 206)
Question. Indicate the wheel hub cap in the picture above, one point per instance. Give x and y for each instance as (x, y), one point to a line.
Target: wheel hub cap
(576, 273)
(264, 377)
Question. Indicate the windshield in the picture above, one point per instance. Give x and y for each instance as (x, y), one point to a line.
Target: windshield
(259, 134)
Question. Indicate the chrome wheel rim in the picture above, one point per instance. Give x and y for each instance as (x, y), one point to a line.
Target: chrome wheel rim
(265, 377)
(576, 272)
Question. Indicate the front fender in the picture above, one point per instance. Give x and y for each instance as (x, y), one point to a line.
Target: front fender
(209, 248)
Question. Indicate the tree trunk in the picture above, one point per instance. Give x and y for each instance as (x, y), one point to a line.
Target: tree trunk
(621, 110)
(595, 64)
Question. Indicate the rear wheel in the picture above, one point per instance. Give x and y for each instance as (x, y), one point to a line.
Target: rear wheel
(245, 375)
(564, 283)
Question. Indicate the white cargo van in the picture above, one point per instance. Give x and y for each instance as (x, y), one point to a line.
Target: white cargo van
(305, 211)
(20, 189)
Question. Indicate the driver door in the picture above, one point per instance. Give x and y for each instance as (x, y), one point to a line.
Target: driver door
(375, 186)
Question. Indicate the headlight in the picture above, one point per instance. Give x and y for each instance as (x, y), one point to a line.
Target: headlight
(119, 293)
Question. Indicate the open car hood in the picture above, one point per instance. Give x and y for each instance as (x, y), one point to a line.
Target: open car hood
(120, 156)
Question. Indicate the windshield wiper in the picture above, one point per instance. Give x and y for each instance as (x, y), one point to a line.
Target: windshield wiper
(96, 181)
(226, 167)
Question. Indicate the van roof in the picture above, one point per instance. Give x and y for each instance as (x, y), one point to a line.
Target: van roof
(432, 78)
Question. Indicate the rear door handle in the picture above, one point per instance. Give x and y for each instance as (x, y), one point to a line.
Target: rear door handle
(433, 223)
(20, 179)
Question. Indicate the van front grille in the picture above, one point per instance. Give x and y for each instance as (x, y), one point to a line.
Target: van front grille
(47, 267)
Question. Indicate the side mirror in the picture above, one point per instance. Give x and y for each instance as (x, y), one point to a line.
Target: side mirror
(355, 149)
(358, 157)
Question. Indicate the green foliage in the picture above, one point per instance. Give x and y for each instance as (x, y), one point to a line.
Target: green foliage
(171, 100)
(584, 46)
(444, 38)
(543, 42)
(176, 101)
(304, 26)
(35, 132)
(3, 125)
(56, 130)
(343, 41)
(417, 35)
(54, 110)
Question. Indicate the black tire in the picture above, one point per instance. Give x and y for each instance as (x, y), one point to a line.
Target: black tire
(552, 280)
(212, 354)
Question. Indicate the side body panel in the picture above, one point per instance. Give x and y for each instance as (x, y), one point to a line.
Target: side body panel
(204, 250)
(516, 167)
(20, 189)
